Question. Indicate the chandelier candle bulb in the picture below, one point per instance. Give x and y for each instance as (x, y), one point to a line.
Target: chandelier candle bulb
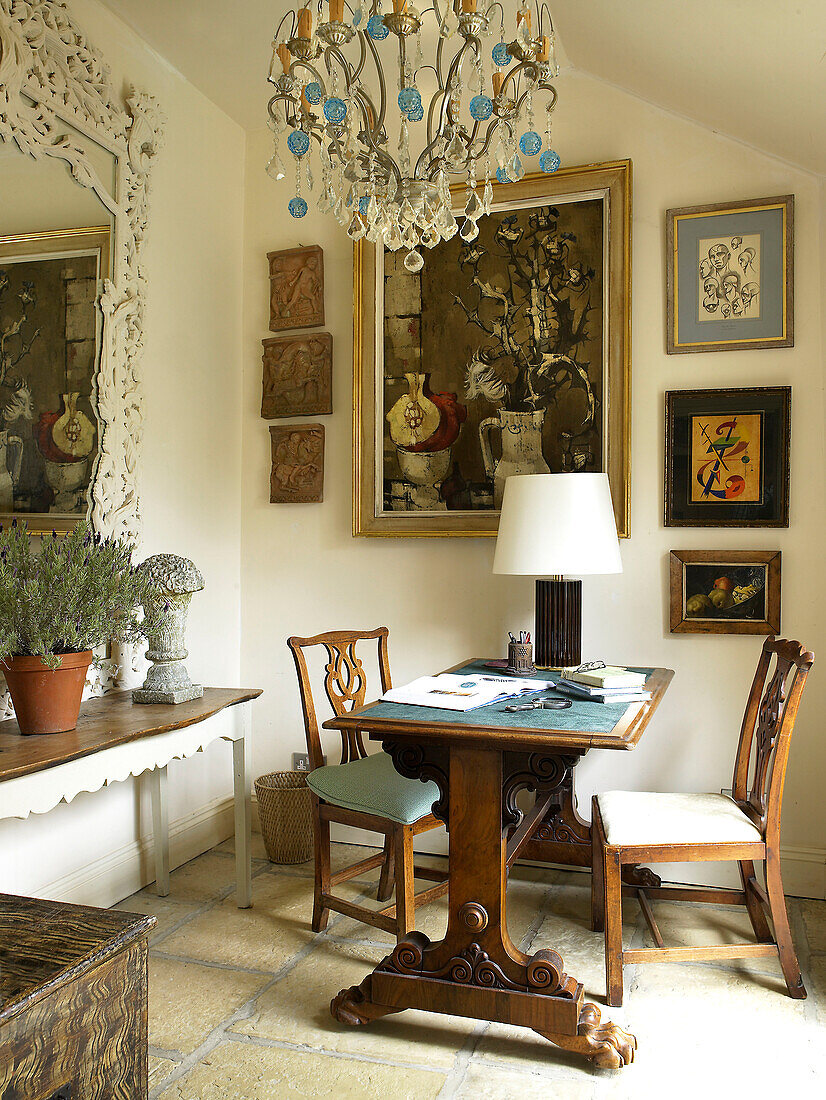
(544, 48)
(469, 6)
(526, 15)
(497, 79)
(305, 23)
(336, 11)
(284, 57)
(399, 6)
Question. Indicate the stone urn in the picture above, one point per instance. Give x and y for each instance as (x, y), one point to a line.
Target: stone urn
(174, 580)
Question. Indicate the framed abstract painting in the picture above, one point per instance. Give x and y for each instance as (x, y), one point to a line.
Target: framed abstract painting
(731, 276)
(506, 353)
(727, 457)
(49, 361)
(725, 591)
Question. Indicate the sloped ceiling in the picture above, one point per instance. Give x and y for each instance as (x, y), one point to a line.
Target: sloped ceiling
(752, 69)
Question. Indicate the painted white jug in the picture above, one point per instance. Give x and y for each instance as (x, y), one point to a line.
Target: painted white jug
(521, 447)
(9, 474)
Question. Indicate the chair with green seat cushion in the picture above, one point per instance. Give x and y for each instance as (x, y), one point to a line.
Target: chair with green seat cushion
(364, 791)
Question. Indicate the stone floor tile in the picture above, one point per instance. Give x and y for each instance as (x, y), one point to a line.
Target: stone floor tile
(203, 878)
(167, 911)
(486, 1082)
(159, 1070)
(297, 1010)
(243, 1071)
(814, 918)
(261, 938)
(188, 1001)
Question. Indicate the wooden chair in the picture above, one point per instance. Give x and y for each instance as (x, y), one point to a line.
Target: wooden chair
(631, 827)
(365, 791)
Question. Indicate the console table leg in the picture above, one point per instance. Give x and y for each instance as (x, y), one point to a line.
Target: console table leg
(243, 812)
(160, 829)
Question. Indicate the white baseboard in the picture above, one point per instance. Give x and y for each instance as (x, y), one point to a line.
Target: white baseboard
(118, 874)
(804, 871)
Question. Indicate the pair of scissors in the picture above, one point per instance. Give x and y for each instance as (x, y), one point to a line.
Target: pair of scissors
(541, 704)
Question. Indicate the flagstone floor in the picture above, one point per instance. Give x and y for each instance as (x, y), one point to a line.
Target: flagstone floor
(239, 1000)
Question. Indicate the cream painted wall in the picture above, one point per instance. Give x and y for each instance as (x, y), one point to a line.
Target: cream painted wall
(302, 571)
(94, 850)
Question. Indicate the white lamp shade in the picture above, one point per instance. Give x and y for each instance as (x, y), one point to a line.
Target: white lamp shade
(554, 524)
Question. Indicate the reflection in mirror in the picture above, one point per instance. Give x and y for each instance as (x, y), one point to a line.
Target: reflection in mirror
(55, 248)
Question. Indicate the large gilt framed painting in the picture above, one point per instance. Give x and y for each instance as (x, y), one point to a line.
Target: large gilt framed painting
(505, 354)
(727, 457)
(730, 282)
(49, 356)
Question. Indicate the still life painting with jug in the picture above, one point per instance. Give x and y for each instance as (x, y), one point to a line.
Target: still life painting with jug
(48, 358)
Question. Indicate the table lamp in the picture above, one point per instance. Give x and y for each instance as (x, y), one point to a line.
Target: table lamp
(550, 525)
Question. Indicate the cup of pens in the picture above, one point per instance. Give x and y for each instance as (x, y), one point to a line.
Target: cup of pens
(520, 655)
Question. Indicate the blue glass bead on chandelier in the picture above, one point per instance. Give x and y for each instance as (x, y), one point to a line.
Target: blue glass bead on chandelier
(313, 92)
(416, 114)
(549, 161)
(409, 100)
(501, 176)
(500, 55)
(335, 109)
(356, 17)
(364, 202)
(297, 207)
(481, 107)
(530, 143)
(376, 27)
(298, 143)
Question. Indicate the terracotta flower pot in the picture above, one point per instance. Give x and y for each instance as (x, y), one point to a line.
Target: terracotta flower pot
(46, 701)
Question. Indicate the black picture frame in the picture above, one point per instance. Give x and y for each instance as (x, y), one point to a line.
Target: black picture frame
(769, 506)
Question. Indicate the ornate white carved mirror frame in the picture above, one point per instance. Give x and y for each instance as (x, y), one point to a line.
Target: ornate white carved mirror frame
(53, 87)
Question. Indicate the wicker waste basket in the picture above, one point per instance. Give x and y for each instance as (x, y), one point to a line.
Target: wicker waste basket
(285, 810)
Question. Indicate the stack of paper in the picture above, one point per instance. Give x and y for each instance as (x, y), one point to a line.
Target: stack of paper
(457, 692)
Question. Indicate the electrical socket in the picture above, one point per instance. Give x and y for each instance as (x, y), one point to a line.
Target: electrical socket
(301, 762)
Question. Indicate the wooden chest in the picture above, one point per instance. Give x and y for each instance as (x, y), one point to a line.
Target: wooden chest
(73, 1002)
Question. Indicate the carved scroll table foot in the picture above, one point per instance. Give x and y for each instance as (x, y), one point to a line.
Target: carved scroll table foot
(606, 1045)
(354, 1005)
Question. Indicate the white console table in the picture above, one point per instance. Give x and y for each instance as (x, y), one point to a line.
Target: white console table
(116, 738)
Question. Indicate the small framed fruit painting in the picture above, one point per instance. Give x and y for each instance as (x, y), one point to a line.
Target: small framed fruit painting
(725, 591)
(727, 457)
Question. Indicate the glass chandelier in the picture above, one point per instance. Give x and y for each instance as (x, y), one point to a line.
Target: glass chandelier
(473, 127)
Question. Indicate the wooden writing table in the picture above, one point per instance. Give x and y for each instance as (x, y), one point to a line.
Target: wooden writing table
(116, 738)
(480, 760)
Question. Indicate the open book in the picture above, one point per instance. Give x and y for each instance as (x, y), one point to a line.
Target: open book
(450, 691)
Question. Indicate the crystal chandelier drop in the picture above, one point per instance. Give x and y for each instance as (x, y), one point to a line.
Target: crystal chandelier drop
(472, 126)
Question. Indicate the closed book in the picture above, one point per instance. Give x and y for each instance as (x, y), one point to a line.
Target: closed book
(603, 692)
(610, 676)
(629, 696)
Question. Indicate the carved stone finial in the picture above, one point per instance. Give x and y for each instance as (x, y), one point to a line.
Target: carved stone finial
(174, 579)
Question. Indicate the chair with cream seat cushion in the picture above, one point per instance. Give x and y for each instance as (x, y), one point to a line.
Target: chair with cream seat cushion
(363, 791)
(632, 827)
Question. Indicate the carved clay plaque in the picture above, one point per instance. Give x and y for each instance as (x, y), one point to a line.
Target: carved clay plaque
(297, 464)
(296, 288)
(298, 376)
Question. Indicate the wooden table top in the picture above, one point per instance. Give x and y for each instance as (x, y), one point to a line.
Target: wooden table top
(44, 944)
(543, 729)
(107, 721)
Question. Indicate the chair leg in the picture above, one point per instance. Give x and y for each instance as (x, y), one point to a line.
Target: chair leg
(321, 842)
(597, 869)
(405, 904)
(386, 878)
(782, 932)
(754, 904)
(613, 927)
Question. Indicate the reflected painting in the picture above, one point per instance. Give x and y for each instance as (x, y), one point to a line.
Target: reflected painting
(48, 360)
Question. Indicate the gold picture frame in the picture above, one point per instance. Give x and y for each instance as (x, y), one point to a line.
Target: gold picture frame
(49, 369)
(608, 188)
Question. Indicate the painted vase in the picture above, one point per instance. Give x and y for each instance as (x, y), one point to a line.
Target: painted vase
(521, 447)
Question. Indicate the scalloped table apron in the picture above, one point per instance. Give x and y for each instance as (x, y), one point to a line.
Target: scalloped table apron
(116, 738)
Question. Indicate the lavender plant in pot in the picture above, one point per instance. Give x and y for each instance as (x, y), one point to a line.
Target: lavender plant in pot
(61, 598)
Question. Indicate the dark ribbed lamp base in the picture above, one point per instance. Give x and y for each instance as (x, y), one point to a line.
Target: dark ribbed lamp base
(558, 634)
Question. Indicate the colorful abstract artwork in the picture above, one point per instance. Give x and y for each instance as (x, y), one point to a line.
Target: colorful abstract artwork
(727, 457)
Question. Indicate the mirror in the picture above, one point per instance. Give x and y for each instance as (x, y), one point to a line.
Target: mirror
(74, 170)
(55, 252)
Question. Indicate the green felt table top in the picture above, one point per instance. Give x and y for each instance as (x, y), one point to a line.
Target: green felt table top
(581, 717)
